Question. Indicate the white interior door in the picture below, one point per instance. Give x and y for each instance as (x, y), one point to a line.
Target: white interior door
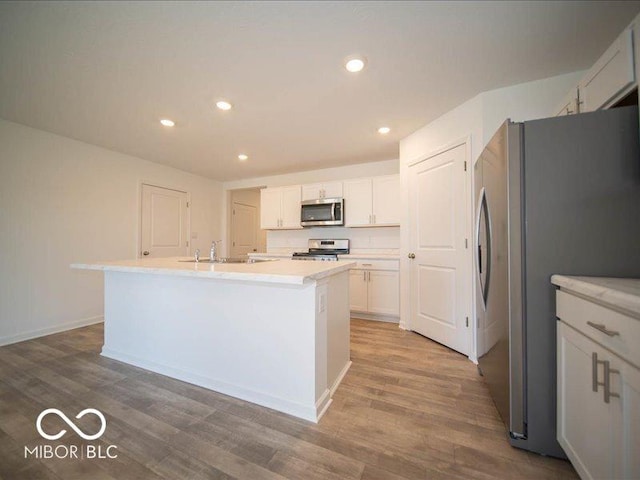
(441, 270)
(244, 229)
(164, 223)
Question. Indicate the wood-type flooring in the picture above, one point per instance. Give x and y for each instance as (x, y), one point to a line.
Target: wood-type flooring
(409, 408)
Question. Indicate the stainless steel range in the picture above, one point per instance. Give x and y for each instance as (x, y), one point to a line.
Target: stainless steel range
(325, 249)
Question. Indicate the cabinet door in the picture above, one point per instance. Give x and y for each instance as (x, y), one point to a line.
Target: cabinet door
(290, 207)
(312, 191)
(270, 201)
(569, 104)
(332, 190)
(358, 290)
(358, 203)
(384, 292)
(386, 200)
(585, 428)
(610, 77)
(626, 413)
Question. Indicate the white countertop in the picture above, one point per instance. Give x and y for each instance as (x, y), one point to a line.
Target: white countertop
(619, 293)
(350, 256)
(284, 271)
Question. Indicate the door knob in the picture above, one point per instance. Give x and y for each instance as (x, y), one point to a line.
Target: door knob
(146, 252)
(412, 256)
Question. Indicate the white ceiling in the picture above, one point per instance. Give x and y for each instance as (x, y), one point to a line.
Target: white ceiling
(105, 73)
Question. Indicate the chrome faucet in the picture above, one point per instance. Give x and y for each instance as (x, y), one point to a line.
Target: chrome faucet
(213, 253)
(197, 255)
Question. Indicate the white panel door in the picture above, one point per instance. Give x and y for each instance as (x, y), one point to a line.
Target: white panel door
(270, 204)
(312, 191)
(332, 190)
(244, 229)
(358, 207)
(358, 290)
(290, 207)
(441, 269)
(383, 294)
(164, 222)
(386, 200)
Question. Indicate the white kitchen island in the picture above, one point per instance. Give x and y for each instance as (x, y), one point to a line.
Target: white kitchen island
(272, 333)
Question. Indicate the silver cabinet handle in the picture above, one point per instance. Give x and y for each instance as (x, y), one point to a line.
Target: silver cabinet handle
(369, 275)
(594, 372)
(374, 218)
(366, 264)
(145, 253)
(364, 275)
(607, 382)
(369, 219)
(412, 256)
(602, 328)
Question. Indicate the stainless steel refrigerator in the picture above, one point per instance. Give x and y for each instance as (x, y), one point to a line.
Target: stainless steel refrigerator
(558, 195)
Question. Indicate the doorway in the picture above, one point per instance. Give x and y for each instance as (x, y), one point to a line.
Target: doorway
(245, 235)
(164, 222)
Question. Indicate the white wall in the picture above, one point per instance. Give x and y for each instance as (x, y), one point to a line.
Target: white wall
(64, 201)
(380, 239)
(476, 120)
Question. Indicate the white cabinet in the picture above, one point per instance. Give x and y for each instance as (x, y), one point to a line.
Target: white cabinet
(358, 290)
(611, 77)
(370, 202)
(598, 389)
(569, 104)
(374, 287)
(280, 208)
(322, 190)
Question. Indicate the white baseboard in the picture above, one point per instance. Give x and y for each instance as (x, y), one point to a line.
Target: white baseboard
(306, 412)
(21, 337)
(341, 375)
(375, 317)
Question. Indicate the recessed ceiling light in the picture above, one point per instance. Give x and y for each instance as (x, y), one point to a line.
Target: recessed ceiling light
(223, 105)
(243, 157)
(355, 64)
(384, 130)
(167, 123)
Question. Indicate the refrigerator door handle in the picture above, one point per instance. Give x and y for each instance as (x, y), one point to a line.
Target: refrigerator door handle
(484, 208)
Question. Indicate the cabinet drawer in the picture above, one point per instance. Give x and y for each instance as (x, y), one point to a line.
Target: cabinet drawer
(579, 313)
(377, 265)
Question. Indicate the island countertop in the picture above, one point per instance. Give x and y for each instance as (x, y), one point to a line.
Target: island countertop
(293, 272)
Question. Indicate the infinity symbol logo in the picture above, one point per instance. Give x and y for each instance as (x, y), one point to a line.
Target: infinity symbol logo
(71, 424)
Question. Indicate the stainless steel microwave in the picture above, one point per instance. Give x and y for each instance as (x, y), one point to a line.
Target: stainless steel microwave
(322, 212)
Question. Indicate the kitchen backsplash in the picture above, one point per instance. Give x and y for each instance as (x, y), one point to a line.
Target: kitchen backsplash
(363, 240)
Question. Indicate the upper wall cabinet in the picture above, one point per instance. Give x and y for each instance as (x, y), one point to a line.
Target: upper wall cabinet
(372, 202)
(611, 77)
(280, 208)
(569, 104)
(321, 190)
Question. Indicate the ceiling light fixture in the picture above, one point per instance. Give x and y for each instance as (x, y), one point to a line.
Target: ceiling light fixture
(242, 157)
(384, 130)
(223, 105)
(167, 123)
(355, 64)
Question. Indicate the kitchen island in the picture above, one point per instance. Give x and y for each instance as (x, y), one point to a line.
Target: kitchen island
(274, 333)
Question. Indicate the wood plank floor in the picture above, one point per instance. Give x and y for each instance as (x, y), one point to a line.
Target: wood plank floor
(408, 409)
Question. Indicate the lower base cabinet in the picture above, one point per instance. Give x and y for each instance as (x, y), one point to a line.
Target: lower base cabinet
(598, 407)
(375, 291)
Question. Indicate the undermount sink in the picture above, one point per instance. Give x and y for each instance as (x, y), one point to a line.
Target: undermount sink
(230, 260)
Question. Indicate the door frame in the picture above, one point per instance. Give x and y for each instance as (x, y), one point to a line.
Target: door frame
(138, 240)
(406, 312)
